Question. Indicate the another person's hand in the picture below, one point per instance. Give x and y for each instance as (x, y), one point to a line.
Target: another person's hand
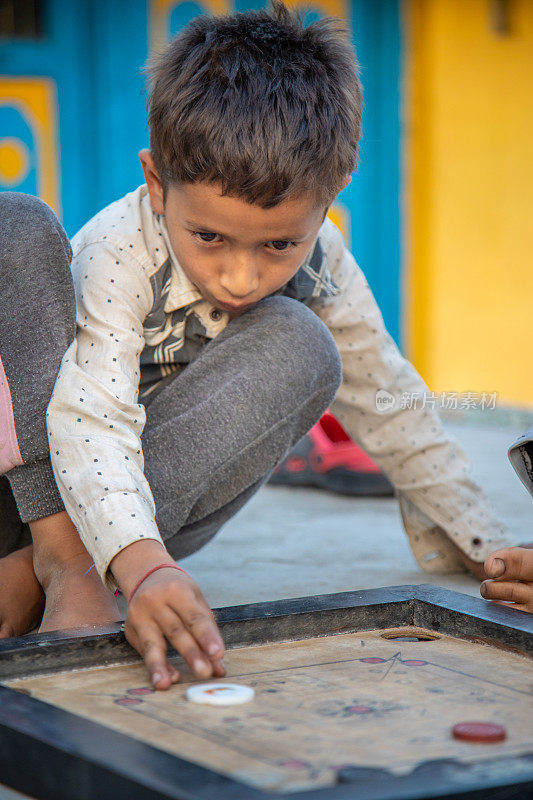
(168, 606)
(512, 573)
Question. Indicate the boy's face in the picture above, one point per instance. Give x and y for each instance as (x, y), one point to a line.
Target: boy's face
(236, 253)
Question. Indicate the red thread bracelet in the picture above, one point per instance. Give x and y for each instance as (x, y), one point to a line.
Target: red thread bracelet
(150, 571)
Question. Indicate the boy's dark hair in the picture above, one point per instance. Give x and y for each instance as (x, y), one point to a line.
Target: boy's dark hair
(258, 103)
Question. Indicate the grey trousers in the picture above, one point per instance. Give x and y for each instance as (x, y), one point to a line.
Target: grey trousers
(213, 433)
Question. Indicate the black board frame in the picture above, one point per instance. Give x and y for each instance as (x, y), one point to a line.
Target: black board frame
(53, 754)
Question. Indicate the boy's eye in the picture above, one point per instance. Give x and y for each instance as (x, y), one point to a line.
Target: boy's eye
(281, 244)
(204, 236)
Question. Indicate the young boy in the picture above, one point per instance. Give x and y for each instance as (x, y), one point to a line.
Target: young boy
(219, 314)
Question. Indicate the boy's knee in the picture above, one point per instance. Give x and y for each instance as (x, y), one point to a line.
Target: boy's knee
(26, 212)
(29, 226)
(301, 348)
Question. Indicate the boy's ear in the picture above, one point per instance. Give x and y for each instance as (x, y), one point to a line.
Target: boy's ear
(153, 181)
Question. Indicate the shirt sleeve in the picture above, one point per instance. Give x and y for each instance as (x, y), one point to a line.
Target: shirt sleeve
(94, 420)
(439, 501)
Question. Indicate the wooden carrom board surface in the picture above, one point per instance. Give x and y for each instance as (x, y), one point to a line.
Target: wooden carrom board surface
(371, 706)
(319, 704)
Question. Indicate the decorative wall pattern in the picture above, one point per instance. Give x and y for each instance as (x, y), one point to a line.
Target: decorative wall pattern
(28, 136)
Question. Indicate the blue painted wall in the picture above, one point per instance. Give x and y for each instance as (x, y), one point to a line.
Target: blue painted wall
(95, 51)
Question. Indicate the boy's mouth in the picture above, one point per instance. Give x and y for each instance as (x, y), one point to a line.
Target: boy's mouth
(235, 307)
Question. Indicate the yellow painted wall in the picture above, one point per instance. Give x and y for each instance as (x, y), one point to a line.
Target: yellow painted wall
(469, 171)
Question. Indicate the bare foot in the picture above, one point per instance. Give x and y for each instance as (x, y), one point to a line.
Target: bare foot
(21, 595)
(512, 570)
(76, 597)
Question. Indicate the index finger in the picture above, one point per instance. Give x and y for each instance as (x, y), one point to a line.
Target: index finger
(152, 646)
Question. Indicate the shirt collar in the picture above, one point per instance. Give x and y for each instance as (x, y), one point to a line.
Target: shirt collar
(313, 279)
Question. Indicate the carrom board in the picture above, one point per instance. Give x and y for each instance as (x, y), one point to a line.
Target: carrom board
(355, 697)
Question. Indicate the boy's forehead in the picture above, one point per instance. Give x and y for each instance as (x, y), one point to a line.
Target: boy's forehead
(202, 204)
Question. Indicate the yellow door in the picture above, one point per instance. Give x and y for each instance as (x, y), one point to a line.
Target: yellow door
(469, 175)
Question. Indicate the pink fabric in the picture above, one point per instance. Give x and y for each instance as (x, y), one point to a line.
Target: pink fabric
(9, 449)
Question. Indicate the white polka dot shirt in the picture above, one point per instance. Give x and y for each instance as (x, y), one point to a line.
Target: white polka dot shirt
(133, 304)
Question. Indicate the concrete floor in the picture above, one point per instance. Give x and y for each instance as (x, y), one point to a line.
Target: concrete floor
(291, 543)
(295, 542)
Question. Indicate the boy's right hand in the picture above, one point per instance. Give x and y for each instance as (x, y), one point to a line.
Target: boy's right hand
(512, 572)
(167, 606)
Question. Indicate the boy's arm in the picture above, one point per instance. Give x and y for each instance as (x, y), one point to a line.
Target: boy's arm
(94, 419)
(95, 424)
(441, 505)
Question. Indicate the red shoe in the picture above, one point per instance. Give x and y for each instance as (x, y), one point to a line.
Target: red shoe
(326, 457)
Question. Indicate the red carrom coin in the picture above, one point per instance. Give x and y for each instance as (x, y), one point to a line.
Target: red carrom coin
(484, 732)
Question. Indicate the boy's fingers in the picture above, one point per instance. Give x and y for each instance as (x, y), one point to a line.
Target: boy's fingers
(131, 635)
(180, 638)
(218, 669)
(154, 652)
(169, 668)
(511, 563)
(199, 620)
(175, 611)
(509, 591)
(151, 645)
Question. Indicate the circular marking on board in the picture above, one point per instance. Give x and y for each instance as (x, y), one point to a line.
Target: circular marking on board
(371, 660)
(220, 694)
(482, 732)
(358, 709)
(414, 662)
(127, 701)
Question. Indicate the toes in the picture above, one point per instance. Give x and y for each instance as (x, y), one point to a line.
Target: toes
(511, 563)
(509, 591)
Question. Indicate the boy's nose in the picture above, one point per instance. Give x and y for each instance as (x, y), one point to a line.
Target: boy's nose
(240, 278)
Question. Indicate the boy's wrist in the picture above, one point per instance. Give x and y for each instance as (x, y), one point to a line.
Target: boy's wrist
(128, 566)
